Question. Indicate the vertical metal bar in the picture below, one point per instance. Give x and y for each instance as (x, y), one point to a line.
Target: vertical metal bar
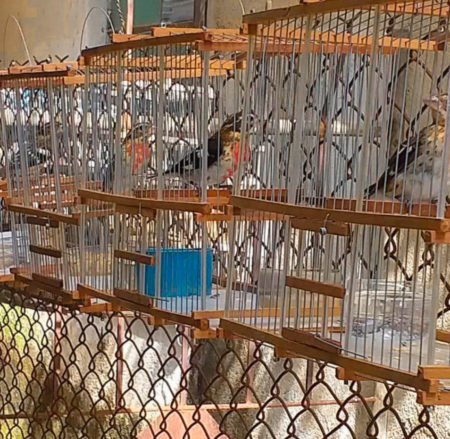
(118, 167)
(57, 176)
(159, 167)
(84, 164)
(22, 146)
(204, 188)
(441, 207)
(238, 174)
(15, 239)
(362, 177)
(293, 173)
(25, 173)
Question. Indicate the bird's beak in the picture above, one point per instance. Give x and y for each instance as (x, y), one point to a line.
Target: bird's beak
(433, 102)
(429, 100)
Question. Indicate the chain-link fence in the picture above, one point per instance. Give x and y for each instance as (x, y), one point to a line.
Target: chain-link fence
(64, 374)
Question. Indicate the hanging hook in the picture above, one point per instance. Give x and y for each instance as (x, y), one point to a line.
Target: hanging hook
(86, 19)
(323, 230)
(21, 34)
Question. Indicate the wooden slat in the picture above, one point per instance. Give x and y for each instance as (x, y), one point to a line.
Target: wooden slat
(384, 206)
(414, 7)
(338, 38)
(148, 41)
(436, 372)
(133, 256)
(60, 217)
(124, 200)
(182, 319)
(266, 312)
(92, 213)
(35, 220)
(133, 297)
(257, 216)
(335, 203)
(305, 9)
(148, 75)
(35, 293)
(4, 278)
(309, 339)
(174, 63)
(436, 237)
(48, 270)
(44, 67)
(217, 197)
(213, 217)
(349, 375)
(46, 251)
(203, 334)
(182, 206)
(131, 210)
(57, 292)
(317, 213)
(123, 304)
(52, 281)
(157, 31)
(331, 227)
(433, 399)
(33, 73)
(327, 289)
(362, 366)
(443, 336)
(98, 308)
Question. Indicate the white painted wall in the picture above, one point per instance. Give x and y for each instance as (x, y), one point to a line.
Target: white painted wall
(50, 27)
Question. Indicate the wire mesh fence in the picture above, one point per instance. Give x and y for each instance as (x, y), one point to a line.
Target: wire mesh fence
(70, 375)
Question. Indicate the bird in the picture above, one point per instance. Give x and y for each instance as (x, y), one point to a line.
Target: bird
(136, 153)
(413, 173)
(137, 149)
(36, 152)
(223, 155)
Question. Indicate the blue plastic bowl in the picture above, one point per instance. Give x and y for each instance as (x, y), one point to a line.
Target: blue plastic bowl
(180, 272)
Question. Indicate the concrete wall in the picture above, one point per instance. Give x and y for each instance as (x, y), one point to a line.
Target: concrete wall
(228, 13)
(50, 27)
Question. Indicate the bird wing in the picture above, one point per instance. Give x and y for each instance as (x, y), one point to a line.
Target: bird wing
(397, 164)
(192, 161)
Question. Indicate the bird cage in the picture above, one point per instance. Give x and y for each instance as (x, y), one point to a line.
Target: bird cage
(346, 192)
(165, 115)
(42, 157)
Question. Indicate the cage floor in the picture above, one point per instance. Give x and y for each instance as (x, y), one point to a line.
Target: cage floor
(185, 305)
(6, 253)
(392, 349)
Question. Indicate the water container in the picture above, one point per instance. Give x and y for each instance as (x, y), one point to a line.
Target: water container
(180, 272)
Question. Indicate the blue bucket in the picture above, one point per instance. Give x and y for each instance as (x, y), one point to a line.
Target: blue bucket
(181, 272)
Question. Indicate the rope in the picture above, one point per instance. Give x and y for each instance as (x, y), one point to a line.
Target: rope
(121, 17)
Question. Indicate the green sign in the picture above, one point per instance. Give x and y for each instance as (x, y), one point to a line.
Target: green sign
(146, 12)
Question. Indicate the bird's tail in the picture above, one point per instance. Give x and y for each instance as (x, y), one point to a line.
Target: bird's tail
(371, 191)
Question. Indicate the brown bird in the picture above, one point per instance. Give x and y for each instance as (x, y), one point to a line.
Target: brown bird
(223, 155)
(414, 172)
(136, 154)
